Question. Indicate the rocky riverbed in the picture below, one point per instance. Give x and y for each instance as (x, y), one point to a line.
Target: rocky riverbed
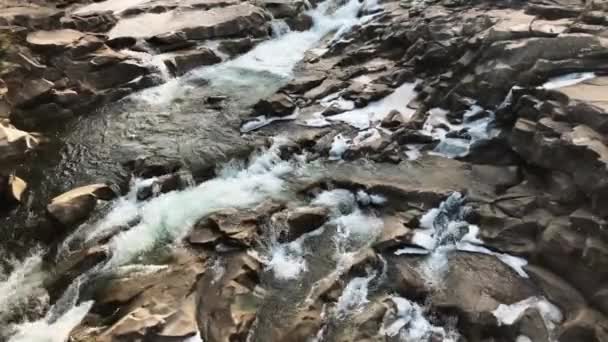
(286, 170)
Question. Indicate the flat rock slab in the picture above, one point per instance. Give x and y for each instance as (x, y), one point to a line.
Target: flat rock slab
(427, 180)
(55, 38)
(197, 24)
(593, 91)
(127, 6)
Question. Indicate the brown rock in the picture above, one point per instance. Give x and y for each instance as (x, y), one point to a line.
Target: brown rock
(77, 204)
(305, 219)
(184, 62)
(278, 104)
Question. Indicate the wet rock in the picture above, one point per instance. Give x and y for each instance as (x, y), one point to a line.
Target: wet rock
(278, 104)
(29, 92)
(235, 47)
(76, 205)
(556, 289)
(166, 183)
(283, 8)
(395, 232)
(421, 183)
(230, 21)
(470, 275)
(95, 22)
(393, 120)
(304, 83)
(565, 148)
(578, 257)
(227, 304)
(502, 177)
(14, 143)
(585, 325)
(56, 40)
(185, 62)
(12, 189)
(302, 22)
(305, 219)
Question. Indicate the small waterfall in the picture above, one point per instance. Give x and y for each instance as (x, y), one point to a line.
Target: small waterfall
(407, 321)
(443, 230)
(279, 28)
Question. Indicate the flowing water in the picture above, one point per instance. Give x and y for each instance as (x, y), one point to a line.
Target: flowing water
(168, 122)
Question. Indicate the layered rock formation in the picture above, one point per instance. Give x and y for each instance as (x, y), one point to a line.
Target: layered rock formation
(444, 175)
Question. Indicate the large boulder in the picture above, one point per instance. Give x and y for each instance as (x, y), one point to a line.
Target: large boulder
(77, 204)
(231, 21)
(185, 62)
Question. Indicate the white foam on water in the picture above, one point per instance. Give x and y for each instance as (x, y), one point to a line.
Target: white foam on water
(339, 200)
(168, 217)
(509, 314)
(358, 225)
(523, 338)
(568, 80)
(354, 297)
(279, 56)
(25, 279)
(408, 323)
(374, 112)
(442, 230)
(279, 28)
(269, 62)
(287, 261)
(438, 126)
(57, 331)
(338, 147)
(195, 338)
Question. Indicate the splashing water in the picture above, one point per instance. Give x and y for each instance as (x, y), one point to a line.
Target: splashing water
(509, 314)
(443, 230)
(407, 321)
(354, 297)
(169, 217)
(56, 331)
(23, 282)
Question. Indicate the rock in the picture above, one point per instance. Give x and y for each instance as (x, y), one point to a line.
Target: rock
(585, 325)
(393, 120)
(578, 151)
(556, 289)
(422, 183)
(56, 40)
(76, 205)
(472, 285)
(283, 8)
(501, 177)
(95, 22)
(113, 76)
(302, 84)
(227, 304)
(14, 143)
(165, 183)
(395, 232)
(305, 219)
(577, 257)
(278, 104)
(302, 22)
(188, 61)
(13, 189)
(235, 47)
(29, 92)
(230, 21)
(475, 284)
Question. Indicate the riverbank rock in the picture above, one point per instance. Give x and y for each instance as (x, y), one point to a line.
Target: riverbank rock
(76, 205)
